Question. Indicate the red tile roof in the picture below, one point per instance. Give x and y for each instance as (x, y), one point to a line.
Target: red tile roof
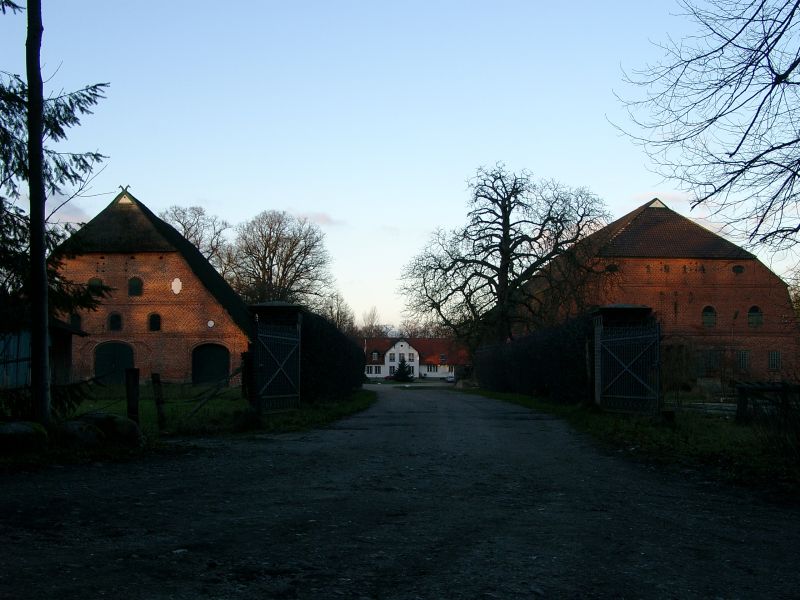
(655, 231)
(429, 350)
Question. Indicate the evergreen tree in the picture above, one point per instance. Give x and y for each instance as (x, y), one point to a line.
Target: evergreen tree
(403, 372)
(27, 119)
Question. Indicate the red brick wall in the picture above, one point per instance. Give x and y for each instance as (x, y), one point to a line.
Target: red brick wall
(184, 316)
(679, 289)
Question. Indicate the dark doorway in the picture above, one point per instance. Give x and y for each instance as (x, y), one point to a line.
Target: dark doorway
(210, 364)
(110, 361)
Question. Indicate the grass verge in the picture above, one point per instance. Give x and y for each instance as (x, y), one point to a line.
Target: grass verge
(189, 411)
(709, 443)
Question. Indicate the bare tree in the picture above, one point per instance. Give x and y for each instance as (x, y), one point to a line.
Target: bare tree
(421, 328)
(280, 257)
(206, 232)
(371, 325)
(720, 113)
(475, 279)
(338, 312)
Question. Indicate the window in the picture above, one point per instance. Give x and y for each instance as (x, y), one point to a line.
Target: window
(369, 369)
(774, 361)
(709, 317)
(709, 362)
(374, 356)
(738, 269)
(377, 369)
(115, 322)
(135, 286)
(411, 357)
(154, 322)
(755, 318)
(450, 369)
(411, 370)
(391, 370)
(743, 359)
(433, 368)
(95, 284)
(402, 356)
(75, 320)
(391, 356)
(612, 268)
(443, 359)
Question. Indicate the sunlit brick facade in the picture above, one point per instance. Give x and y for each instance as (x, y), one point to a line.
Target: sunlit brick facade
(169, 312)
(729, 311)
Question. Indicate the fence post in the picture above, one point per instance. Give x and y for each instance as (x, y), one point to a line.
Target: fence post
(158, 397)
(132, 393)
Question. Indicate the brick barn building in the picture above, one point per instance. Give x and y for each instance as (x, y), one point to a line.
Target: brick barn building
(713, 299)
(169, 312)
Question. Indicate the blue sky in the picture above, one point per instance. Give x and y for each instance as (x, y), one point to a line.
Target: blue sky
(367, 117)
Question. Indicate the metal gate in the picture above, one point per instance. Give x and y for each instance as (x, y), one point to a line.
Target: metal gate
(627, 367)
(276, 364)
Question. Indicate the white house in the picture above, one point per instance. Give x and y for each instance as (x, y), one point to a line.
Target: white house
(434, 358)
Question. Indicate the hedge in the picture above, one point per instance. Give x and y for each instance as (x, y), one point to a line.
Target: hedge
(549, 362)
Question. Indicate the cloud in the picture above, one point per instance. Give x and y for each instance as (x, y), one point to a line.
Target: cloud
(69, 213)
(321, 219)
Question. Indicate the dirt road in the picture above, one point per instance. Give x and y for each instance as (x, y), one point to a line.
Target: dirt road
(429, 494)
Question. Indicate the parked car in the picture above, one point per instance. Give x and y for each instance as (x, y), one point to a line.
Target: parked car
(451, 379)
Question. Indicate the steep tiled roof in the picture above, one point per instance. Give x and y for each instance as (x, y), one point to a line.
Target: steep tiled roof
(128, 226)
(655, 231)
(429, 349)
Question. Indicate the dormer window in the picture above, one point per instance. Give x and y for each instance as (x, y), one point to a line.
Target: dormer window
(374, 356)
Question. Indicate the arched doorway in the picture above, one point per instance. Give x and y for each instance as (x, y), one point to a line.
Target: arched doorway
(110, 361)
(210, 363)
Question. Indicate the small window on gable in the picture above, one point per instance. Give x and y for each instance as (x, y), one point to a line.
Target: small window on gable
(95, 284)
(738, 269)
(443, 359)
(135, 286)
(755, 318)
(374, 356)
(115, 322)
(75, 320)
(154, 322)
(709, 317)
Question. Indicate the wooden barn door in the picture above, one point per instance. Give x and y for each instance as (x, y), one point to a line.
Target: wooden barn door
(210, 364)
(110, 361)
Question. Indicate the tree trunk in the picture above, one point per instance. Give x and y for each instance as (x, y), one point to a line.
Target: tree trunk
(40, 368)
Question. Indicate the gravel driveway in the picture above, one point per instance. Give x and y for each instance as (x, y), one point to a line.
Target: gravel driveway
(428, 494)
